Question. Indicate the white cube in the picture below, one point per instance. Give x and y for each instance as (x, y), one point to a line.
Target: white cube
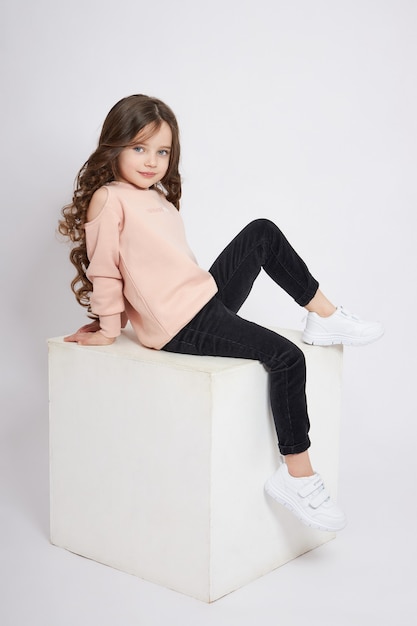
(158, 462)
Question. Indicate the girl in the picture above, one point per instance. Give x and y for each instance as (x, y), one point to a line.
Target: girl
(133, 263)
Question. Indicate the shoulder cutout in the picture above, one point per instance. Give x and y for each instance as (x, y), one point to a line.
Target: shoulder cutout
(97, 203)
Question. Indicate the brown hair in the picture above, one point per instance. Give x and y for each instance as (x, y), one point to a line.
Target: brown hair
(122, 124)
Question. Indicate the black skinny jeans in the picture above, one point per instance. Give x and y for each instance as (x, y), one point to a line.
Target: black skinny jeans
(217, 331)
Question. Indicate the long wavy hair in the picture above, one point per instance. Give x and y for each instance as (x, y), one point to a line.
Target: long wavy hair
(124, 121)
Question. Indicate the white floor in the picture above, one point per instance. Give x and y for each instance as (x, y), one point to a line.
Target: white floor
(366, 576)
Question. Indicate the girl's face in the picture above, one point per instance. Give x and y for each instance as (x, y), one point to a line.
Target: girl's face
(146, 161)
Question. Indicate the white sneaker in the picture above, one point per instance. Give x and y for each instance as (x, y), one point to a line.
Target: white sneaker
(307, 498)
(340, 327)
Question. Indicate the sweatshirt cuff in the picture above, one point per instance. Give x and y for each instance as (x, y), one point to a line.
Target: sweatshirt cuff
(110, 325)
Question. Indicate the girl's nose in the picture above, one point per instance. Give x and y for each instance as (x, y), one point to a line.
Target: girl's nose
(150, 160)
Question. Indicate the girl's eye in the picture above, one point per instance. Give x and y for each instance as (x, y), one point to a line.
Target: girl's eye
(163, 152)
(138, 149)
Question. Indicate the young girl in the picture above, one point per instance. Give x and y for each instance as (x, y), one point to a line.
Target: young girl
(133, 263)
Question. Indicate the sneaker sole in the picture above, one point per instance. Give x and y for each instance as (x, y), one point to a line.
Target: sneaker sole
(299, 513)
(333, 340)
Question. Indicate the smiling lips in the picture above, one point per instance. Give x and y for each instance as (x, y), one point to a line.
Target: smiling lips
(147, 174)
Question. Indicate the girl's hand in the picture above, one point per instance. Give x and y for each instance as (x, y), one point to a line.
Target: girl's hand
(85, 338)
(92, 327)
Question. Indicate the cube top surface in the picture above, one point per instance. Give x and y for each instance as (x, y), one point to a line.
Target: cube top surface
(128, 347)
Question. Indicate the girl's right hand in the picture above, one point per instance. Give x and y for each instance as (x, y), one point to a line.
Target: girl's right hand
(87, 338)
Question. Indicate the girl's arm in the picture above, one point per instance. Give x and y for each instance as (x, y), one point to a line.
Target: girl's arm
(103, 240)
(107, 301)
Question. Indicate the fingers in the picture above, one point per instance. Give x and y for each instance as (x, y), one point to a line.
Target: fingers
(71, 337)
(90, 339)
(87, 328)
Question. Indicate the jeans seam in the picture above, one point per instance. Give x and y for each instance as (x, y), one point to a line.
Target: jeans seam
(288, 408)
(300, 284)
(283, 265)
(239, 265)
(236, 343)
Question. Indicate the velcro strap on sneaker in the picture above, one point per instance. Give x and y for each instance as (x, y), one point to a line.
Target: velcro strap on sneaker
(311, 487)
(316, 490)
(318, 500)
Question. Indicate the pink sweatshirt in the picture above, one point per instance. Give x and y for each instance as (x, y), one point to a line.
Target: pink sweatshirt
(140, 263)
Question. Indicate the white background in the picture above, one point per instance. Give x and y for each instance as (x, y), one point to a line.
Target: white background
(301, 111)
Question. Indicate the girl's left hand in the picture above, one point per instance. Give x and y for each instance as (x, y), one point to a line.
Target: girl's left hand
(84, 338)
(92, 327)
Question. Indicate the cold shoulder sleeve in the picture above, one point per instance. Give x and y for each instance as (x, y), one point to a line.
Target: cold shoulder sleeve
(103, 243)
